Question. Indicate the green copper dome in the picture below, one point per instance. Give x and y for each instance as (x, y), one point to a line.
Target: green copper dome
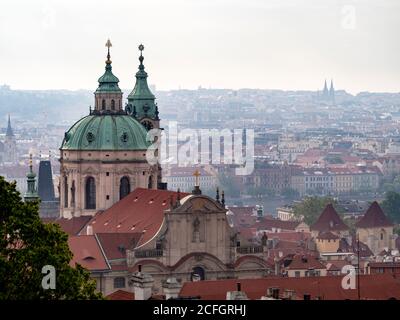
(106, 132)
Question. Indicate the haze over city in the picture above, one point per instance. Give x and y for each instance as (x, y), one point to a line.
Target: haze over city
(289, 45)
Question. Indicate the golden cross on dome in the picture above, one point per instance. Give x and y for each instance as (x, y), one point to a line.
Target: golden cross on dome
(197, 175)
(30, 161)
(108, 45)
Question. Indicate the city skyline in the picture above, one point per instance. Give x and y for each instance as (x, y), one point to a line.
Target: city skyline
(235, 45)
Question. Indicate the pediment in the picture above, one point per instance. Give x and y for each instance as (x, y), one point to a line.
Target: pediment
(199, 204)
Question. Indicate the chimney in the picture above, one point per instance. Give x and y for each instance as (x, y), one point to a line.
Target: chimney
(307, 296)
(237, 295)
(89, 230)
(143, 284)
(171, 288)
(273, 292)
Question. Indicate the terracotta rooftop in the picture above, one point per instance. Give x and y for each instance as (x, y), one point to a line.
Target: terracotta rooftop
(142, 211)
(305, 262)
(74, 225)
(344, 246)
(115, 244)
(269, 223)
(378, 287)
(327, 235)
(329, 220)
(121, 295)
(289, 235)
(374, 218)
(87, 252)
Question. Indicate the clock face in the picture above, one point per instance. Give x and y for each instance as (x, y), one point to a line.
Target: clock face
(147, 124)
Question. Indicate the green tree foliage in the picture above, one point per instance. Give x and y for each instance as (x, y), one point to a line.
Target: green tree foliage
(311, 208)
(391, 206)
(27, 245)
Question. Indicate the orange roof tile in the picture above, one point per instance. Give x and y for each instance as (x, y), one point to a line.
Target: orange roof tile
(329, 220)
(142, 211)
(87, 252)
(121, 295)
(379, 287)
(374, 218)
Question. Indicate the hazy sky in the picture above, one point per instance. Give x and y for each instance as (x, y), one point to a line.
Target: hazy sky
(275, 44)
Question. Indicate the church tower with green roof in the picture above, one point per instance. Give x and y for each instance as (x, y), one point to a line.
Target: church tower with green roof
(103, 155)
(141, 101)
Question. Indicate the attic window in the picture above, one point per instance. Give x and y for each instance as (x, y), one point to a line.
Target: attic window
(89, 258)
(136, 199)
(118, 226)
(151, 201)
(133, 227)
(164, 202)
(106, 223)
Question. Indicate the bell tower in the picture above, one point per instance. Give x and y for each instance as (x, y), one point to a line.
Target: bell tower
(141, 101)
(108, 96)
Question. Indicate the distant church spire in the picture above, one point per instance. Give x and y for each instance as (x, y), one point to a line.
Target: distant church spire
(31, 193)
(332, 92)
(9, 132)
(325, 92)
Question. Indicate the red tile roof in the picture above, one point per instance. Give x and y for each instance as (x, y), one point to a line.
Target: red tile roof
(329, 220)
(344, 246)
(289, 236)
(327, 235)
(74, 225)
(384, 265)
(87, 252)
(142, 211)
(116, 244)
(305, 262)
(268, 224)
(374, 218)
(121, 295)
(379, 287)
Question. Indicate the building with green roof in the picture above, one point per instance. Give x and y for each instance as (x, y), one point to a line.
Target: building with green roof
(103, 155)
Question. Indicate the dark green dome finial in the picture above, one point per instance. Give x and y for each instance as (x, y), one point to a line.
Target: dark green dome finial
(108, 82)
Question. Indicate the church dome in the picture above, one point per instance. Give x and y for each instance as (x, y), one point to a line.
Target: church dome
(106, 132)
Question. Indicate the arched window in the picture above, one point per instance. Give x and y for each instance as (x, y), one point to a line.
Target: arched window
(198, 273)
(124, 187)
(150, 185)
(112, 104)
(103, 104)
(119, 282)
(65, 192)
(73, 194)
(90, 193)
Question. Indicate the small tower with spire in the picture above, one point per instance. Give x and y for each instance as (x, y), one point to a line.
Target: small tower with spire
(10, 144)
(141, 101)
(31, 192)
(108, 96)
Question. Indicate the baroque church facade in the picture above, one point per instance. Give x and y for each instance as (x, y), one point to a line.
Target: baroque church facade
(103, 155)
